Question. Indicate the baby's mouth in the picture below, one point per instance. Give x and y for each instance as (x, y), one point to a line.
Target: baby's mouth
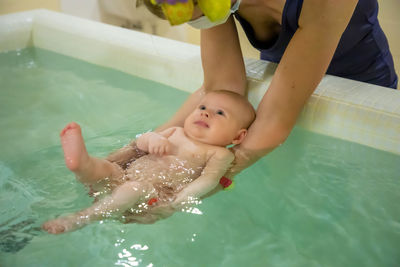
(202, 124)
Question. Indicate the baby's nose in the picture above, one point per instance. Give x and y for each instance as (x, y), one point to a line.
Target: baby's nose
(204, 113)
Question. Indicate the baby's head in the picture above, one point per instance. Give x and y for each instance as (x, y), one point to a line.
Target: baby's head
(221, 119)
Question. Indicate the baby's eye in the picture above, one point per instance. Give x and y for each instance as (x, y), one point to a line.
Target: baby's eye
(202, 107)
(220, 112)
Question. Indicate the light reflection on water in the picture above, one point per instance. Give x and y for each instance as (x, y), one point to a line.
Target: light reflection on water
(128, 259)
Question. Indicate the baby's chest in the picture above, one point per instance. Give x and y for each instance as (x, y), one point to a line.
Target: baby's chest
(183, 147)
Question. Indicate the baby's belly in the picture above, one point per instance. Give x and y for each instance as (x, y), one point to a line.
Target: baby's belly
(167, 172)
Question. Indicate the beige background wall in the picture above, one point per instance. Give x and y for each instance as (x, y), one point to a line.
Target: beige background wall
(388, 16)
(10, 6)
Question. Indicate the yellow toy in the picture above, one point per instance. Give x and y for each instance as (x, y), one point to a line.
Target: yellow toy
(181, 11)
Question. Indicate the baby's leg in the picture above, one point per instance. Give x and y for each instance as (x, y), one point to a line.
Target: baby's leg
(122, 198)
(89, 170)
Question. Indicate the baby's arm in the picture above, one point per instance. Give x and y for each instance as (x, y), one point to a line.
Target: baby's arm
(137, 148)
(215, 168)
(156, 143)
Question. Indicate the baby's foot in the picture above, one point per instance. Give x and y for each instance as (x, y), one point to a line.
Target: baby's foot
(75, 154)
(61, 225)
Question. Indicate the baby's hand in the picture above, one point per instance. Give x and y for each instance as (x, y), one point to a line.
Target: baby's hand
(154, 143)
(159, 145)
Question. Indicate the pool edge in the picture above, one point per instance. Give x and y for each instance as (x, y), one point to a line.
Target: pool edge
(341, 108)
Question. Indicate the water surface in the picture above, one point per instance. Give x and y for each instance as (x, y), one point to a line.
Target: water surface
(315, 201)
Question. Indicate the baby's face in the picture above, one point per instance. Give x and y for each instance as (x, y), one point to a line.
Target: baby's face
(216, 121)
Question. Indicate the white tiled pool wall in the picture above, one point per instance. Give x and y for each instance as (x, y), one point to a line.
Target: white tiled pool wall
(341, 108)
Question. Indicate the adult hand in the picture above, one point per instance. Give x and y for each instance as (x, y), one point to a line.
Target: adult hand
(244, 158)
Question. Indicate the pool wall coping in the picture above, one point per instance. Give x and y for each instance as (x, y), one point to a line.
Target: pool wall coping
(350, 110)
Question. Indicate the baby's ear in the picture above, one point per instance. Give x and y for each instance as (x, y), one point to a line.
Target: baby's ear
(239, 137)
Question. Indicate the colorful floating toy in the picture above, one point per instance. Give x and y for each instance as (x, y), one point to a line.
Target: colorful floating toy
(152, 201)
(181, 11)
(226, 183)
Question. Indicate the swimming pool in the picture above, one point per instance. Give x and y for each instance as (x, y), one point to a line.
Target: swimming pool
(315, 201)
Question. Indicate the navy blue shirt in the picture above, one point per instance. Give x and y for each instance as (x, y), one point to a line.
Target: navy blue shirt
(363, 51)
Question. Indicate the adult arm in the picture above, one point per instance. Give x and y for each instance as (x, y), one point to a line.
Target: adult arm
(303, 64)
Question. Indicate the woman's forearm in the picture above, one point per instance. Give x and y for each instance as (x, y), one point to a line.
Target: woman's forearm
(263, 137)
(222, 59)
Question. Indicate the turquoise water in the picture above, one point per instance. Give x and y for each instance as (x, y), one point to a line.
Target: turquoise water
(315, 201)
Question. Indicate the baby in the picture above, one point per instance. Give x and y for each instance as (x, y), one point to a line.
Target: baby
(181, 164)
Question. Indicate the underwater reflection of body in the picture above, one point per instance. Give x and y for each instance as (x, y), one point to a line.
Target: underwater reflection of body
(17, 224)
(14, 236)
